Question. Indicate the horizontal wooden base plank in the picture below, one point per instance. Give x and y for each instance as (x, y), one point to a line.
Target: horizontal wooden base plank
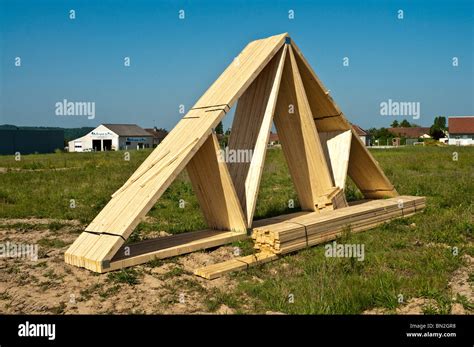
(219, 239)
(217, 270)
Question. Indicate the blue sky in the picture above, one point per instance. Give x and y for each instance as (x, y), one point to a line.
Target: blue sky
(174, 61)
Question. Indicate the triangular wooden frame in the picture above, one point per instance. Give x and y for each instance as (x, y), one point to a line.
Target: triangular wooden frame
(273, 83)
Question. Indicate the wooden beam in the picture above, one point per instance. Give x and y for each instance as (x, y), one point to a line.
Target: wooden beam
(299, 139)
(326, 113)
(125, 210)
(219, 239)
(337, 146)
(211, 272)
(366, 172)
(250, 132)
(363, 168)
(214, 188)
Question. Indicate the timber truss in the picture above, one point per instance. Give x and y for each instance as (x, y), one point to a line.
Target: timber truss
(273, 84)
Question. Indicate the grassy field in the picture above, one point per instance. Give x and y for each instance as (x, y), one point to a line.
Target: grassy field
(42, 186)
(408, 258)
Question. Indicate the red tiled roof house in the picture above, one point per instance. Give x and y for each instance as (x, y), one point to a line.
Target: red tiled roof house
(410, 132)
(461, 130)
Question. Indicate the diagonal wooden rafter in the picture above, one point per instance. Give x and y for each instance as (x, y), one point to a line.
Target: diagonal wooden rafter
(214, 189)
(251, 130)
(300, 140)
(366, 172)
(362, 168)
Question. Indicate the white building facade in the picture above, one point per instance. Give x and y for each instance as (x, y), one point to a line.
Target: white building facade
(112, 137)
(463, 140)
(461, 131)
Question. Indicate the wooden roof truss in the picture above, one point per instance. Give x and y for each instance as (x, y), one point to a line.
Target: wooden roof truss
(273, 84)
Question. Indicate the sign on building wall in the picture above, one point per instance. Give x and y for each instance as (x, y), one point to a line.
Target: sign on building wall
(101, 133)
(136, 139)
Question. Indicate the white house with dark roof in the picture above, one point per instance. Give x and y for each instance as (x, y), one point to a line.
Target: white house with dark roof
(112, 137)
(363, 135)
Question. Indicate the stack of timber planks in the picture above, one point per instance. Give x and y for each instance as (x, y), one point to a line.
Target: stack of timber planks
(314, 228)
(284, 234)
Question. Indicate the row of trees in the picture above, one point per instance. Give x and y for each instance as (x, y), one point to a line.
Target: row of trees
(403, 124)
(437, 130)
(383, 135)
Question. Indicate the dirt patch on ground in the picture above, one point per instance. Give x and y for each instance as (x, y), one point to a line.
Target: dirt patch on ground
(460, 281)
(48, 285)
(35, 221)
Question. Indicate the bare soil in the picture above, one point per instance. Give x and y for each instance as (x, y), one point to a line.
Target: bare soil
(48, 285)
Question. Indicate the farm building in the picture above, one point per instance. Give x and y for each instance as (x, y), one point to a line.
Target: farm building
(461, 130)
(363, 135)
(27, 141)
(112, 137)
(158, 135)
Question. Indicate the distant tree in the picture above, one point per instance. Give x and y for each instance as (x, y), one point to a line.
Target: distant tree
(220, 129)
(438, 128)
(405, 124)
(436, 132)
(440, 122)
(383, 132)
(372, 132)
(395, 124)
(380, 136)
(227, 132)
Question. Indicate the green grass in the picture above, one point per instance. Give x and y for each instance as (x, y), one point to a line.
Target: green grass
(244, 247)
(400, 259)
(128, 276)
(412, 257)
(217, 298)
(465, 302)
(51, 243)
(88, 292)
(175, 272)
(90, 179)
